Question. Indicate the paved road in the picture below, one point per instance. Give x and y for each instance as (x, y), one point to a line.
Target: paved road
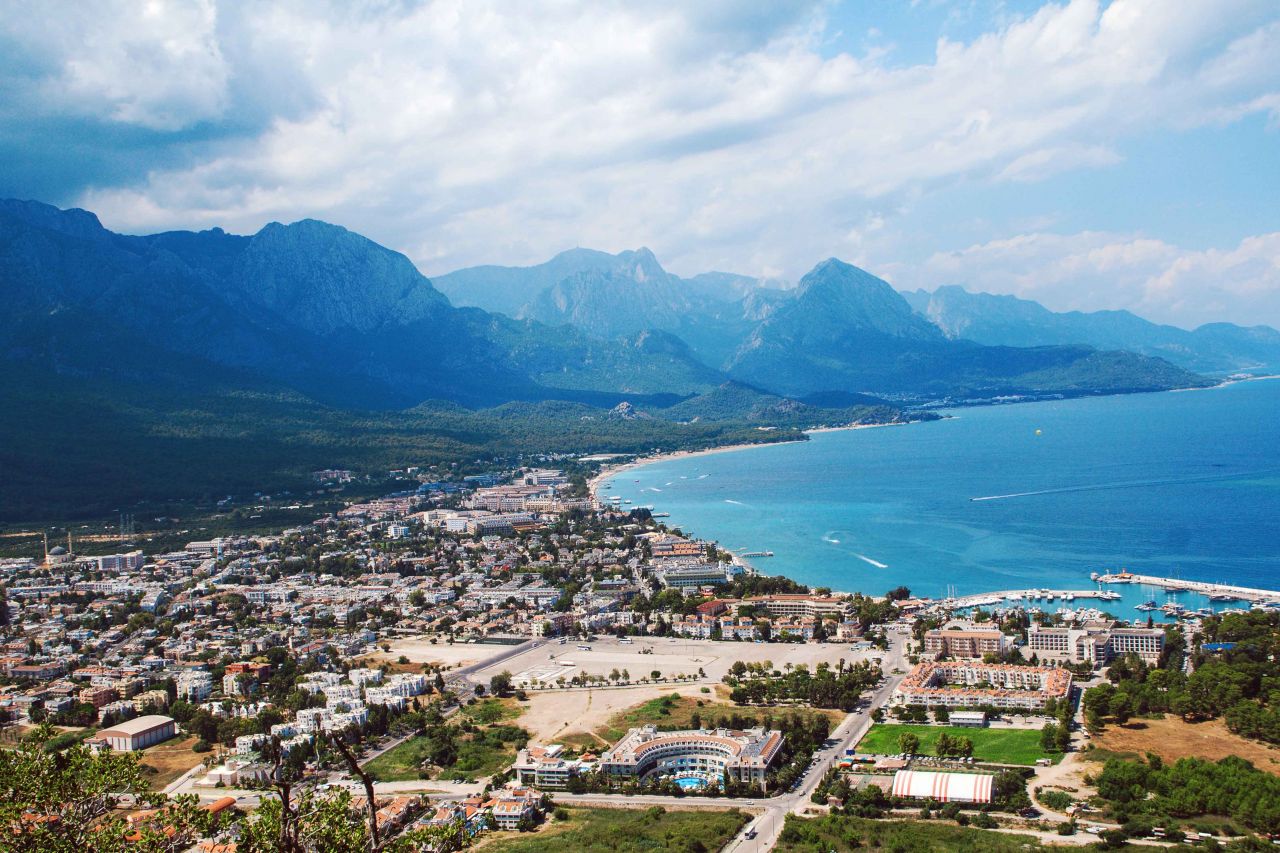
(459, 680)
(769, 825)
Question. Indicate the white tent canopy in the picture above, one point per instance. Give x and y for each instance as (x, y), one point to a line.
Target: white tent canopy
(943, 787)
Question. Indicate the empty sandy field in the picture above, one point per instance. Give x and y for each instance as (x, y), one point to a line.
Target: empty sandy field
(167, 761)
(420, 651)
(1171, 739)
(555, 713)
(669, 656)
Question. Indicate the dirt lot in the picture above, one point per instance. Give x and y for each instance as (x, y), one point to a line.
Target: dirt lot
(420, 651)
(170, 759)
(556, 713)
(670, 656)
(1171, 739)
(595, 718)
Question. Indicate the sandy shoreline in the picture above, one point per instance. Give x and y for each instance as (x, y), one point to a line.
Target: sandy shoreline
(608, 472)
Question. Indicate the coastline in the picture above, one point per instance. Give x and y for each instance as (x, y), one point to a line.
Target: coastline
(606, 474)
(610, 471)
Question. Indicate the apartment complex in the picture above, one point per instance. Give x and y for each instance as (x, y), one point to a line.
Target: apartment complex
(975, 685)
(965, 643)
(1095, 643)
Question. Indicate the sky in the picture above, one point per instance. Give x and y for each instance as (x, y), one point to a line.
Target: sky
(1085, 154)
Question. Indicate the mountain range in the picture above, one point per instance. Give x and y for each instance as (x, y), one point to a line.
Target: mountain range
(322, 311)
(1009, 321)
(310, 316)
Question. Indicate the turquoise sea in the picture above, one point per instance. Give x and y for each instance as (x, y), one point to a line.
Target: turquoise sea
(1182, 484)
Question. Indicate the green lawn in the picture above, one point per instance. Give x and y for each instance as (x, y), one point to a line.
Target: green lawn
(629, 831)
(1002, 746)
(841, 832)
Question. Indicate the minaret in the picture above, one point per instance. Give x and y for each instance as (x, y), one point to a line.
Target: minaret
(70, 550)
(45, 534)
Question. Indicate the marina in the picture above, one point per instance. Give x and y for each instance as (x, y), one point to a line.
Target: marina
(1212, 591)
(993, 599)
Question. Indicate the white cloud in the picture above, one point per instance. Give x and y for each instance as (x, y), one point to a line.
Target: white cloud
(1093, 270)
(156, 65)
(465, 131)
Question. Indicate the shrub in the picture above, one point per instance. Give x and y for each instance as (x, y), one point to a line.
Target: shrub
(1056, 800)
(201, 746)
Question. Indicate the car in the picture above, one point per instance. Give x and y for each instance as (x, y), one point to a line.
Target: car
(1029, 813)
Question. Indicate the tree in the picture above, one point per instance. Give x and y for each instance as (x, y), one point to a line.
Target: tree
(500, 684)
(330, 823)
(908, 743)
(1121, 708)
(65, 801)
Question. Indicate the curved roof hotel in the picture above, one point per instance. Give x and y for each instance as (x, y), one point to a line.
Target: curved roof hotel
(699, 756)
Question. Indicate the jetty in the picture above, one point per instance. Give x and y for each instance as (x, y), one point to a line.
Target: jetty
(1217, 591)
(990, 599)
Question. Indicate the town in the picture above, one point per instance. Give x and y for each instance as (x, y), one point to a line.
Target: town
(508, 654)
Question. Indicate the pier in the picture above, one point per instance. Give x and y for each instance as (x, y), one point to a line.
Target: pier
(990, 599)
(1239, 593)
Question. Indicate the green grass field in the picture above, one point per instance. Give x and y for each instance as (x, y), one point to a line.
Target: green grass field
(628, 831)
(1002, 746)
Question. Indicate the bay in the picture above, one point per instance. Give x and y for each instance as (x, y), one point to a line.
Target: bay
(1181, 484)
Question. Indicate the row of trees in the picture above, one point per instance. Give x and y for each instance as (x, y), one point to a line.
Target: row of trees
(947, 746)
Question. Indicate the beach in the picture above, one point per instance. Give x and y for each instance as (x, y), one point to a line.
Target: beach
(608, 472)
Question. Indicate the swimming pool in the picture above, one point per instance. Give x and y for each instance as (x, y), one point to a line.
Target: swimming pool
(691, 783)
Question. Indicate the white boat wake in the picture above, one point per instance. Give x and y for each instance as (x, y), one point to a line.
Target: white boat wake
(876, 563)
(1134, 484)
(731, 501)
